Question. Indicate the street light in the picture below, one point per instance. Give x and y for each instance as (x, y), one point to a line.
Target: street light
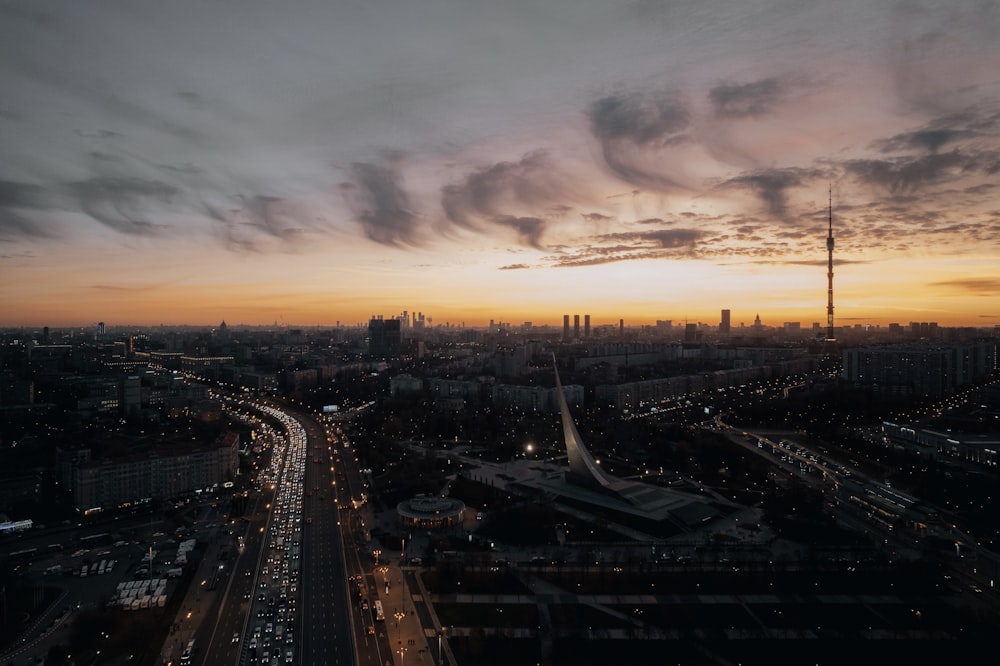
(399, 615)
(440, 653)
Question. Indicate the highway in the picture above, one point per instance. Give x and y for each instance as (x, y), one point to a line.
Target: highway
(325, 610)
(287, 601)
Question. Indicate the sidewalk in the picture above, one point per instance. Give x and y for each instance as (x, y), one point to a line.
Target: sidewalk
(193, 612)
(407, 636)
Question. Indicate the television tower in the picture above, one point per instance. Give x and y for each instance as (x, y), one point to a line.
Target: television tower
(829, 273)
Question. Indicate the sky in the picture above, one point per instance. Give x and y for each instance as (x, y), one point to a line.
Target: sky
(314, 162)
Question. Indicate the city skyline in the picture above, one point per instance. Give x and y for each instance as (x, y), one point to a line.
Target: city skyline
(185, 164)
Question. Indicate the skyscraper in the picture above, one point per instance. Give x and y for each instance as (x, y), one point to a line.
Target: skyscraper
(586, 326)
(576, 327)
(565, 328)
(725, 323)
(384, 338)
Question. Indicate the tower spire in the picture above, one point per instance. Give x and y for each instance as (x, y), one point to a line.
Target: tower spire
(829, 271)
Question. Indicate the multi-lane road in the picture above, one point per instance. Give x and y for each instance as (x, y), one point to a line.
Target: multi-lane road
(292, 596)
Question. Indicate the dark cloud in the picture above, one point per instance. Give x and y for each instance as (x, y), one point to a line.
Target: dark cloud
(491, 191)
(187, 169)
(14, 223)
(228, 228)
(632, 246)
(597, 217)
(627, 124)
(529, 229)
(99, 134)
(642, 119)
(192, 98)
(271, 215)
(930, 140)
(103, 96)
(514, 267)
(13, 256)
(771, 186)
(498, 194)
(253, 218)
(122, 203)
(906, 174)
(27, 15)
(15, 199)
(674, 238)
(659, 238)
(22, 195)
(746, 100)
(380, 204)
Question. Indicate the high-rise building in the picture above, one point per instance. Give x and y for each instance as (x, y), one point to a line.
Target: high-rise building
(586, 325)
(565, 328)
(576, 327)
(725, 324)
(920, 369)
(384, 338)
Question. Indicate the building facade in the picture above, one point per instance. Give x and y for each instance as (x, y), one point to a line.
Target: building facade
(105, 485)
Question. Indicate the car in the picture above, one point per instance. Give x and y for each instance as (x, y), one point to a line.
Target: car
(371, 630)
(236, 638)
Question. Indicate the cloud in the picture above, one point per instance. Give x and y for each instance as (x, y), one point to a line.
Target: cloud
(506, 194)
(15, 199)
(37, 17)
(21, 195)
(186, 169)
(128, 289)
(746, 100)
(906, 174)
(192, 98)
(380, 204)
(632, 246)
(514, 267)
(930, 140)
(642, 119)
(628, 124)
(674, 238)
(771, 186)
(597, 217)
(270, 215)
(121, 203)
(529, 229)
(977, 286)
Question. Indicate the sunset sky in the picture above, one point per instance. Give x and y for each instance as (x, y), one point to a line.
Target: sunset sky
(313, 162)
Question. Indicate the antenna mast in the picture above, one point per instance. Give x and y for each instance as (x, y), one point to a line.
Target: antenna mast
(829, 272)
